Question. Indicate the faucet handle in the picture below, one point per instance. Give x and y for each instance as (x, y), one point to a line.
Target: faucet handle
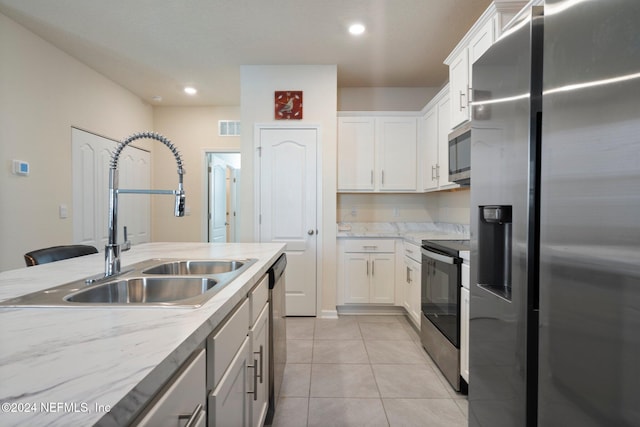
(127, 243)
(180, 203)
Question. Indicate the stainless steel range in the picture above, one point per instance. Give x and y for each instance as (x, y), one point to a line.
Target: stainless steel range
(440, 319)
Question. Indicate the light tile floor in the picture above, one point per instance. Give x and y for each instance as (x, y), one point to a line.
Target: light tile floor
(363, 371)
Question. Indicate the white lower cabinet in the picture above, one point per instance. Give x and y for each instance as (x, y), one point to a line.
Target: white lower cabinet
(368, 271)
(230, 402)
(182, 400)
(238, 364)
(259, 335)
(412, 290)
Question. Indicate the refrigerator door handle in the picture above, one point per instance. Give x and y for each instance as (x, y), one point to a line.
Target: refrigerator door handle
(438, 257)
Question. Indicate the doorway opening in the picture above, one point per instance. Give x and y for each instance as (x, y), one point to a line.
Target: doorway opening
(223, 184)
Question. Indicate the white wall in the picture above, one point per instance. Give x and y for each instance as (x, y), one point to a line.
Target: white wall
(43, 93)
(194, 130)
(453, 206)
(319, 86)
(442, 206)
(383, 207)
(385, 98)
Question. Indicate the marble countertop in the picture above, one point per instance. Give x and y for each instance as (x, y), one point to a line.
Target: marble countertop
(412, 232)
(85, 366)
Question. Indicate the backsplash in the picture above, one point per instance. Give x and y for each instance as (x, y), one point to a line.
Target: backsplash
(450, 207)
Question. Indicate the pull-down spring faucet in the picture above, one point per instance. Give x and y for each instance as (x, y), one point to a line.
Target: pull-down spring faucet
(113, 249)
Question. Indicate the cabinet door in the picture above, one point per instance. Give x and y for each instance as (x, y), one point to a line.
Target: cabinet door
(443, 144)
(397, 143)
(416, 283)
(464, 334)
(259, 335)
(182, 399)
(407, 294)
(431, 143)
(382, 278)
(229, 403)
(357, 269)
(356, 153)
(412, 296)
(458, 88)
(478, 45)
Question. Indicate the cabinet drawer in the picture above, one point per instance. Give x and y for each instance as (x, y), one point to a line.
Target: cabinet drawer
(258, 298)
(370, 245)
(412, 251)
(223, 344)
(184, 393)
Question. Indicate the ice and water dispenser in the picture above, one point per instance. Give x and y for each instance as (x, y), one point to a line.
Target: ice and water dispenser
(494, 250)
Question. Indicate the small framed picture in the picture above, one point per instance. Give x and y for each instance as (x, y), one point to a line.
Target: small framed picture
(288, 105)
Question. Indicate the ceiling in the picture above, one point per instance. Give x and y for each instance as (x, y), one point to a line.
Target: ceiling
(156, 47)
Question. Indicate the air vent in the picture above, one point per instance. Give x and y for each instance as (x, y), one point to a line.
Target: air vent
(229, 127)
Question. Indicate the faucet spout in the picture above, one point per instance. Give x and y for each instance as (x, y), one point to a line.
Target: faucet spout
(113, 249)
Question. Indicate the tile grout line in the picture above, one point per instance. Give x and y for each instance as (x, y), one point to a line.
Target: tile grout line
(375, 379)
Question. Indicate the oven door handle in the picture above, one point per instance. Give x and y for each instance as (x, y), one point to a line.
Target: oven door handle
(438, 257)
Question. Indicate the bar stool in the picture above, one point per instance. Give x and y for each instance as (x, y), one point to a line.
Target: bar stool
(57, 253)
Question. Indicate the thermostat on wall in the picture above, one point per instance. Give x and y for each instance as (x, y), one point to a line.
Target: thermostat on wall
(20, 167)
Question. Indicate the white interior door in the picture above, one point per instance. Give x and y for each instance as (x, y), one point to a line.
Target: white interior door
(288, 199)
(91, 155)
(232, 207)
(218, 200)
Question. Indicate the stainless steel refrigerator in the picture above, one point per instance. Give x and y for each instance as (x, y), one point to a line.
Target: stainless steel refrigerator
(555, 220)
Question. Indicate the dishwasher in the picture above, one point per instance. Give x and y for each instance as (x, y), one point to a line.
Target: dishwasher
(277, 333)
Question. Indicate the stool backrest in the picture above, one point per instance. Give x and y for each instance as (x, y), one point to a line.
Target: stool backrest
(57, 253)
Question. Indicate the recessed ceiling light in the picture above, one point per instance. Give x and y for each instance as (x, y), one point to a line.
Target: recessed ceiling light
(190, 90)
(356, 29)
(156, 98)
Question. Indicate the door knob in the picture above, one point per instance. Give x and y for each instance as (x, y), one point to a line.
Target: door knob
(310, 232)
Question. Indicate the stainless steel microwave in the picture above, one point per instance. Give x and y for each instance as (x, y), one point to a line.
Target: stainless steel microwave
(460, 155)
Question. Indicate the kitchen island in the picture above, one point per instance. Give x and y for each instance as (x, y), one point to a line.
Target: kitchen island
(103, 365)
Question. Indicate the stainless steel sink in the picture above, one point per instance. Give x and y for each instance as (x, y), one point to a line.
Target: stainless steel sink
(190, 267)
(152, 283)
(142, 290)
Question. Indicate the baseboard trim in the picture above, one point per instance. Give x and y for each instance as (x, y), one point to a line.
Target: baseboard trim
(328, 314)
(377, 310)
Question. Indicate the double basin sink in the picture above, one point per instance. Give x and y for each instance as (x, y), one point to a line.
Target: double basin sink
(151, 283)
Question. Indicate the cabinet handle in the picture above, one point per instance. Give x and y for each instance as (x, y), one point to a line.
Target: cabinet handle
(382, 177)
(433, 171)
(191, 419)
(369, 247)
(462, 107)
(438, 171)
(469, 95)
(367, 267)
(408, 275)
(261, 362)
(255, 379)
(371, 176)
(373, 268)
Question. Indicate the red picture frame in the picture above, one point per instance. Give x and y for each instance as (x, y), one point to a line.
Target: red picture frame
(288, 105)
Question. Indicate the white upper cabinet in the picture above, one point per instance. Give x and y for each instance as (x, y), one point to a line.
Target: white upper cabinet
(459, 88)
(429, 143)
(480, 37)
(397, 143)
(480, 43)
(434, 143)
(377, 154)
(356, 153)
